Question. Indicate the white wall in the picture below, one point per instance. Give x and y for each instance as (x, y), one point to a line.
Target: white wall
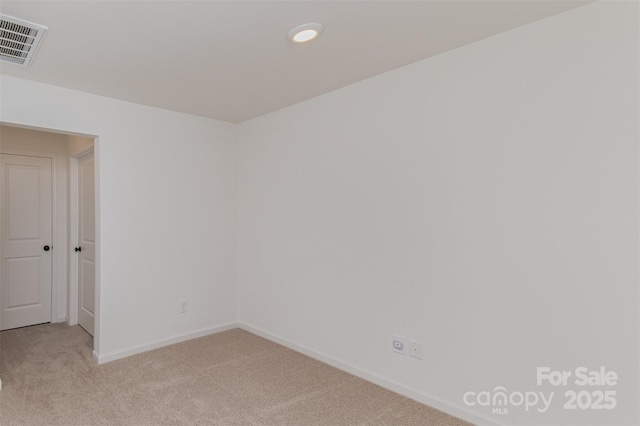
(16, 140)
(167, 212)
(483, 202)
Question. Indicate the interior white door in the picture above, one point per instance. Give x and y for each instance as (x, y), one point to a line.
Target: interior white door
(86, 244)
(25, 278)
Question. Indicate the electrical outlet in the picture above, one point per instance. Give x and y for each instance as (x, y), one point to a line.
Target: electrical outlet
(399, 344)
(183, 307)
(415, 349)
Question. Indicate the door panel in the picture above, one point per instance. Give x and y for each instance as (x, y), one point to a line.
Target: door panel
(88, 294)
(86, 240)
(23, 202)
(25, 278)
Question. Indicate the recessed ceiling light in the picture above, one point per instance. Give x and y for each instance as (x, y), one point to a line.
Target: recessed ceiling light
(304, 33)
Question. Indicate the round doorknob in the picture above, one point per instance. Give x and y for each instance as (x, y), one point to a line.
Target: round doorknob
(46, 248)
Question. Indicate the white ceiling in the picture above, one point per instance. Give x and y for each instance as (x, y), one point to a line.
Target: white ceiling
(231, 60)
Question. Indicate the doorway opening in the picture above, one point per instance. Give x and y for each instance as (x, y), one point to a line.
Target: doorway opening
(47, 204)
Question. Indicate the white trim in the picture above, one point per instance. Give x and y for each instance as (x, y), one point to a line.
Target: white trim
(101, 359)
(96, 150)
(27, 153)
(369, 376)
(98, 252)
(72, 297)
(83, 152)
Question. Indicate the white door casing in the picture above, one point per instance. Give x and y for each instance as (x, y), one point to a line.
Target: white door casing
(25, 276)
(86, 243)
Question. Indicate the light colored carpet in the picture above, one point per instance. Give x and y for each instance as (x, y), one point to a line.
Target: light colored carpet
(230, 378)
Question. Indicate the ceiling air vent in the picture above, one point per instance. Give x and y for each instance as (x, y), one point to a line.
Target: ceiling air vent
(19, 40)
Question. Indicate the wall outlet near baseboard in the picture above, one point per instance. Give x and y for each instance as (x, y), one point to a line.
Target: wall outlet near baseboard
(400, 344)
(415, 349)
(183, 307)
(404, 346)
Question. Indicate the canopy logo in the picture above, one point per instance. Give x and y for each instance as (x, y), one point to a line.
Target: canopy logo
(499, 400)
(589, 396)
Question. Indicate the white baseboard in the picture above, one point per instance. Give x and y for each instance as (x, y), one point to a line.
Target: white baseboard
(384, 382)
(101, 359)
(373, 378)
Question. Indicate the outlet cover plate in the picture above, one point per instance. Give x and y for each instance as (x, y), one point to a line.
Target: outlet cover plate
(400, 344)
(415, 349)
